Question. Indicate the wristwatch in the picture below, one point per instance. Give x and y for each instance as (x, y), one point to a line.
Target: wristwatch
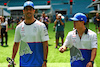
(45, 61)
(92, 62)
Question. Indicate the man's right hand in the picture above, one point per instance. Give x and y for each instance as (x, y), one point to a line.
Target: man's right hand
(62, 49)
(9, 64)
(44, 64)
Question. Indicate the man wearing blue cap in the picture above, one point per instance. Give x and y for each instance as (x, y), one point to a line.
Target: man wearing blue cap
(33, 38)
(82, 43)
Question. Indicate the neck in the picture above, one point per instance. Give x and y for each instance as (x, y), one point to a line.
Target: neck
(81, 31)
(29, 21)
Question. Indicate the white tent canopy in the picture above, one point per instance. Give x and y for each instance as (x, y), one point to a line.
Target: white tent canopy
(94, 11)
(5, 13)
(3, 6)
(36, 7)
(95, 3)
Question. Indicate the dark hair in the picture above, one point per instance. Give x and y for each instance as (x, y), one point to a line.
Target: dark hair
(4, 19)
(28, 6)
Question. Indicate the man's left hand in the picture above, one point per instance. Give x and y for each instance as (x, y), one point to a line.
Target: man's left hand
(44, 64)
(89, 64)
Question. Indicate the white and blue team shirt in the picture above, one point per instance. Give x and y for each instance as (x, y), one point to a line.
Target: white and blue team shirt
(80, 49)
(31, 48)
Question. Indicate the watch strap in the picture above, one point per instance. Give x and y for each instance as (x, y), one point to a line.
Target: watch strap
(45, 60)
(92, 62)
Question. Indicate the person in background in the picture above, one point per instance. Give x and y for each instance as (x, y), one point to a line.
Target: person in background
(17, 20)
(82, 43)
(0, 27)
(9, 21)
(4, 29)
(96, 20)
(59, 28)
(54, 24)
(44, 19)
(48, 20)
(12, 22)
(22, 19)
(87, 22)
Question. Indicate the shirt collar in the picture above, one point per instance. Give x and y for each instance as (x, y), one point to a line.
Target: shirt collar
(86, 31)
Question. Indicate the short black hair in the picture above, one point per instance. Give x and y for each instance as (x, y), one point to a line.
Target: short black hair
(28, 6)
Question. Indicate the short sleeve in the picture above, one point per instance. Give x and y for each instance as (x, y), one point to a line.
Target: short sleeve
(67, 41)
(17, 35)
(94, 41)
(6, 22)
(44, 33)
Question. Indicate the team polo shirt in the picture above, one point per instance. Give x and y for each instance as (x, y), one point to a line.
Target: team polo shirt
(31, 37)
(80, 49)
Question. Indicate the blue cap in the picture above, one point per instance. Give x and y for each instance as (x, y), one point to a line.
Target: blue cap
(28, 3)
(79, 17)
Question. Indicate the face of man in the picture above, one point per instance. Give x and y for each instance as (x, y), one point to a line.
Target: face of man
(58, 17)
(28, 12)
(78, 24)
(43, 14)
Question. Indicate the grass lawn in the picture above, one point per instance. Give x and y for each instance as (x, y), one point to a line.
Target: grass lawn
(55, 58)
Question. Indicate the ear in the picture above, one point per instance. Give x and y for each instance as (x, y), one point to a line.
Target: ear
(83, 22)
(23, 11)
(34, 11)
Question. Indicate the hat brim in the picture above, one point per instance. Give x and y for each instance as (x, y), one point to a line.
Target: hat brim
(28, 6)
(73, 19)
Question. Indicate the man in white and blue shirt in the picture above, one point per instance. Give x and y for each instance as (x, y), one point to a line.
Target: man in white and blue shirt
(33, 38)
(82, 43)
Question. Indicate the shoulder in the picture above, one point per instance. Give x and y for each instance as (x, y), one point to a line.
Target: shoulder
(72, 33)
(20, 25)
(6, 22)
(38, 23)
(91, 33)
